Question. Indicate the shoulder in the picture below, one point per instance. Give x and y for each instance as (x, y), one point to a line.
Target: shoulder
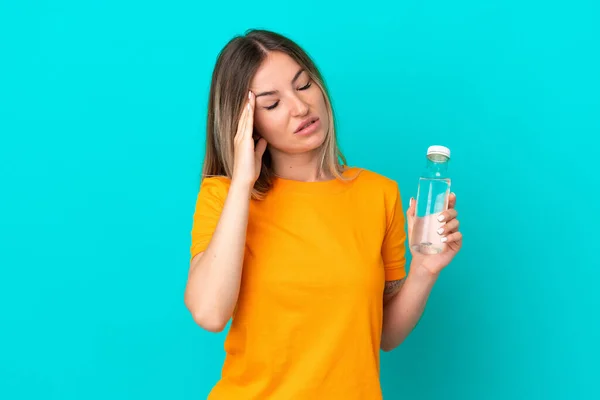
(216, 181)
(370, 180)
(377, 194)
(214, 186)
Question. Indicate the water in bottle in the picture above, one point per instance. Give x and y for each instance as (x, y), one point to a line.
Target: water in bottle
(432, 199)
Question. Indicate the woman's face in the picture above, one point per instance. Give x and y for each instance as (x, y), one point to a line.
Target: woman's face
(286, 101)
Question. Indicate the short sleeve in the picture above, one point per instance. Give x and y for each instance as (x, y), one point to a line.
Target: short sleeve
(209, 205)
(393, 249)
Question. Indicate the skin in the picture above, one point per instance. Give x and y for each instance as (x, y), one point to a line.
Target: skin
(285, 97)
(282, 97)
(405, 300)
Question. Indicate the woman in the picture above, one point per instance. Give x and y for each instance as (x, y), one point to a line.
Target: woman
(306, 254)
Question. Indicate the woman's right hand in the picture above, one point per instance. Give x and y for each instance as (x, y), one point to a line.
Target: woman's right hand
(247, 157)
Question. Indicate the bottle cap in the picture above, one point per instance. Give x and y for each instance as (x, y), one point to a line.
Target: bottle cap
(442, 150)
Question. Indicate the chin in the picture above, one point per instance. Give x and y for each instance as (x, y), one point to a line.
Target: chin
(305, 147)
(314, 141)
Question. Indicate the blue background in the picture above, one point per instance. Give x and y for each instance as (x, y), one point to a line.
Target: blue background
(102, 112)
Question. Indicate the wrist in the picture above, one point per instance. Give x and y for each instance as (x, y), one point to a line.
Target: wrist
(420, 271)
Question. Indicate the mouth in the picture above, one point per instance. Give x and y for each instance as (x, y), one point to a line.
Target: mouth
(306, 123)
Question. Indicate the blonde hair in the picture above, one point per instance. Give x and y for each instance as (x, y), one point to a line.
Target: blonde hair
(236, 65)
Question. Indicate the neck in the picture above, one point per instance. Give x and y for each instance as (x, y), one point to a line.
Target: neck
(303, 167)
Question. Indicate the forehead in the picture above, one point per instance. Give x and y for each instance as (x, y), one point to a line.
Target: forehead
(277, 69)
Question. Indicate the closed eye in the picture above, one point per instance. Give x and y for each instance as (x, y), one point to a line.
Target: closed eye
(309, 84)
(272, 106)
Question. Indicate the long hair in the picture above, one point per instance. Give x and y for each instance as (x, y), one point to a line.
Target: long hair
(236, 65)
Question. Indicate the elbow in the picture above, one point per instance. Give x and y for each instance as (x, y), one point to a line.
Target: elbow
(211, 323)
(210, 320)
(386, 347)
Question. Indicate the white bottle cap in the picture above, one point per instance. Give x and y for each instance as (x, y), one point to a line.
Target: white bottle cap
(439, 150)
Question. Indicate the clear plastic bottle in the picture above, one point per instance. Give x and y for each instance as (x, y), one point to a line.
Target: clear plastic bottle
(432, 200)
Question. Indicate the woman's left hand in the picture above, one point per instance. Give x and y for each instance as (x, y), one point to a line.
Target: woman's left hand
(451, 237)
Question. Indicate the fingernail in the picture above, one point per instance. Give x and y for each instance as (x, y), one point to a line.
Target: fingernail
(441, 218)
(440, 231)
(410, 202)
(444, 239)
(250, 95)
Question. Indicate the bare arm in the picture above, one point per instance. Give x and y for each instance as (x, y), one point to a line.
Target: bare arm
(214, 277)
(404, 303)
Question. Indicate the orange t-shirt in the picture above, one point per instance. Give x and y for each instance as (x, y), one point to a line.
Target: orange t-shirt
(309, 315)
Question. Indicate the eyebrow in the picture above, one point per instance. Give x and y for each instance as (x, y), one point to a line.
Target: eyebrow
(276, 91)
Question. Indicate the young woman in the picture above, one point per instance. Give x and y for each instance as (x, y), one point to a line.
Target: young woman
(304, 254)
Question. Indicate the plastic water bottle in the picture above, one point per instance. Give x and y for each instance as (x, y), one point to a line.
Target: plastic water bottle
(432, 200)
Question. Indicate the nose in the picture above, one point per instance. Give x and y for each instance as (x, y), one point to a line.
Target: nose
(299, 108)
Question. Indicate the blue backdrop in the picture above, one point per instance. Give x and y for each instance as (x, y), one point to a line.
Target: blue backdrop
(102, 115)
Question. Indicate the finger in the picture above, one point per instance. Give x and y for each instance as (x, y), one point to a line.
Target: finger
(249, 128)
(448, 227)
(242, 123)
(447, 215)
(411, 208)
(452, 200)
(410, 215)
(259, 149)
(452, 238)
(252, 100)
